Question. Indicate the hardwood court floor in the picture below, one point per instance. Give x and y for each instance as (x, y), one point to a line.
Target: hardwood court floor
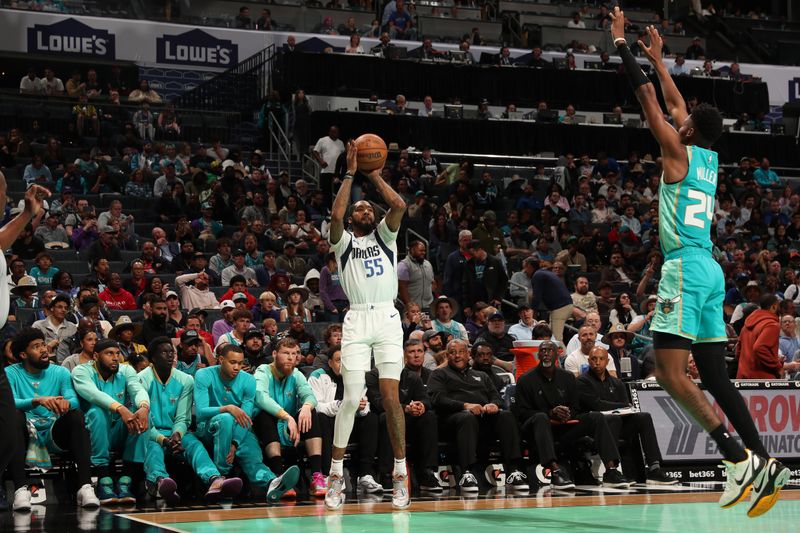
(682, 509)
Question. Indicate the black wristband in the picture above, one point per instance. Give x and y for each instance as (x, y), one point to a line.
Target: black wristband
(635, 73)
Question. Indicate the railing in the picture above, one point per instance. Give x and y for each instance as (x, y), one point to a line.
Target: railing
(279, 145)
(241, 88)
(310, 169)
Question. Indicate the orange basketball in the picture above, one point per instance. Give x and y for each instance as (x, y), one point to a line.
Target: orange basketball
(371, 152)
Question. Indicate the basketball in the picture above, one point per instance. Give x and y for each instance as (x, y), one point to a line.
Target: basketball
(371, 152)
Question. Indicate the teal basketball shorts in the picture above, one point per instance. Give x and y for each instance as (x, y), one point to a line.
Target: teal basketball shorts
(690, 297)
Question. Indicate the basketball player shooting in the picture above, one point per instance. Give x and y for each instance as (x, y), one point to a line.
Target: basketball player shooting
(367, 261)
(692, 288)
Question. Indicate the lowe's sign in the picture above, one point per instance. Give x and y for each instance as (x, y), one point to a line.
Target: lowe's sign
(196, 48)
(71, 37)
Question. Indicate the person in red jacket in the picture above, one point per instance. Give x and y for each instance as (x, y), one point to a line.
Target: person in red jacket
(115, 296)
(757, 351)
(238, 284)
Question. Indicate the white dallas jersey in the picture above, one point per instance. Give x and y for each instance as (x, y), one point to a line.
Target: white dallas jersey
(368, 265)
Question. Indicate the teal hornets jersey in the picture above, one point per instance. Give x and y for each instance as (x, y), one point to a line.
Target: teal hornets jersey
(686, 208)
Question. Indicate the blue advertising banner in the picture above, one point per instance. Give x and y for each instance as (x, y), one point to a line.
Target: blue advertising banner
(196, 48)
(71, 37)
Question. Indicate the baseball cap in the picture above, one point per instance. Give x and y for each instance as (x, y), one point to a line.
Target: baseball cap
(496, 316)
(227, 304)
(249, 334)
(189, 336)
(289, 244)
(171, 294)
(238, 252)
(239, 296)
(429, 334)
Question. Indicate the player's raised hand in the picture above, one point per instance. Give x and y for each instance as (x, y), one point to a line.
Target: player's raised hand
(617, 23)
(34, 199)
(653, 52)
(352, 158)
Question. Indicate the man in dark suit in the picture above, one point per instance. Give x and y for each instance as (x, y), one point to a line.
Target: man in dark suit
(547, 408)
(600, 391)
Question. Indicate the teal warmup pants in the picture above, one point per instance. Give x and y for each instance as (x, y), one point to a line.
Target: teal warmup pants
(107, 432)
(194, 453)
(220, 432)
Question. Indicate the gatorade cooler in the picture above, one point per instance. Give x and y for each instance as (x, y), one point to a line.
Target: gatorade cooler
(526, 356)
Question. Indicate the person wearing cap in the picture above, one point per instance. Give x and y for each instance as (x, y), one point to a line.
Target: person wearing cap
(157, 324)
(174, 313)
(444, 309)
(470, 410)
(547, 407)
(190, 352)
(205, 226)
(598, 390)
(26, 295)
(485, 277)
(166, 181)
(123, 332)
(619, 340)
(496, 337)
(257, 352)
(224, 399)
(105, 388)
(239, 299)
(434, 342)
(55, 327)
(752, 295)
(548, 289)
(523, 330)
(489, 235)
(225, 323)
(104, 246)
(242, 322)
(194, 291)
(52, 231)
(238, 268)
(290, 263)
(200, 264)
(171, 394)
(115, 297)
(44, 393)
(288, 413)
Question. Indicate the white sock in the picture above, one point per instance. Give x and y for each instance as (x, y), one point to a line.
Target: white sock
(337, 467)
(400, 468)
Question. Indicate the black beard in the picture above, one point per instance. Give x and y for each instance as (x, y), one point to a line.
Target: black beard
(364, 229)
(41, 365)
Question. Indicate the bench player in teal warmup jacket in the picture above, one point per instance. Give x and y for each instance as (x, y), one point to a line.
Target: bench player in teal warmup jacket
(171, 395)
(224, 399)
(106, 389)
(689, 315)
(44, 393)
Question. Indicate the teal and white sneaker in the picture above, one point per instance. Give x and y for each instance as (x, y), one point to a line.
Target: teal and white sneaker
(739, 479)
(124, 494)
(282, 484)
(767, 487)
(105, 491)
